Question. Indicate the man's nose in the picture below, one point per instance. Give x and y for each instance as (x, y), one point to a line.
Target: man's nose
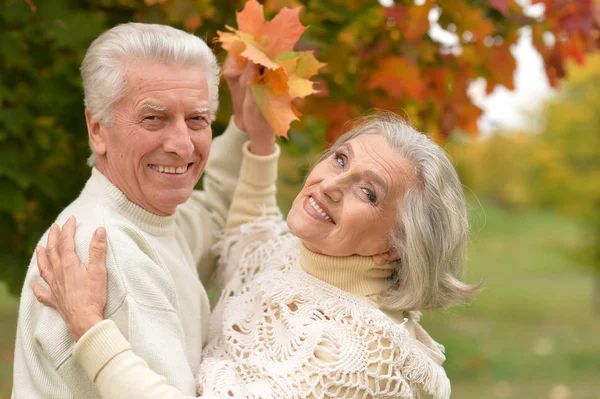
(178, 140)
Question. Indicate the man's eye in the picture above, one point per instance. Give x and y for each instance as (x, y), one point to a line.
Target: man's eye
(151, 118)
(198, 122)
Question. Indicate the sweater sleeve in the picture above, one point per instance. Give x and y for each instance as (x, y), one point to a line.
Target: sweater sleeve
(255, 194)
(108, 360)
(205, 213)
(254, 216)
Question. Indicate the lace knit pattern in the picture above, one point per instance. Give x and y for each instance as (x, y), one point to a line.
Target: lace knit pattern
(278, 332)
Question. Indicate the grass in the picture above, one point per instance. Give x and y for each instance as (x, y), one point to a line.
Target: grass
(531, 334)
(8, 315)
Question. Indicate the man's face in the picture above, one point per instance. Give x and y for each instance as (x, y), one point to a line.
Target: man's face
(158, 143)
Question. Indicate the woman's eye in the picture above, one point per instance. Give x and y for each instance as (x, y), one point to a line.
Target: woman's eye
(370, 195)
(340, 160)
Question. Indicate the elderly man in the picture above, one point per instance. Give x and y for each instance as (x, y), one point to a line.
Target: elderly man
(151, 92)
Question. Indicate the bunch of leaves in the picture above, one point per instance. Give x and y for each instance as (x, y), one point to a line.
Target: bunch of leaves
(285, 73)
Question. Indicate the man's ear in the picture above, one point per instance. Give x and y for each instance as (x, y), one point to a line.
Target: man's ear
(95, 133)
(386, 257)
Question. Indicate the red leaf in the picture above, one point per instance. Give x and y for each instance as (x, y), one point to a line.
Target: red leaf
(500, 5)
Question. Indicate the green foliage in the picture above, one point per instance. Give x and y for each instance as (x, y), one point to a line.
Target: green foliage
(43, 139)
(499, 168)
(572, 136)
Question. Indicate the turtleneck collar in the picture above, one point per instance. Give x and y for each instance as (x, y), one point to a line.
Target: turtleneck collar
(357, 275)
(99, 185)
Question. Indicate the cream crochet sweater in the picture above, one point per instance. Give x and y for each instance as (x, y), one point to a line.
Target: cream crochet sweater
(289, 323)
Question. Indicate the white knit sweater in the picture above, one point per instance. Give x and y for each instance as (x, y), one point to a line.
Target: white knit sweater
(289, 323)
(155, 295)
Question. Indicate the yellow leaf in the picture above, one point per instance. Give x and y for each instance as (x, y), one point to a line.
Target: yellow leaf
(277, 110)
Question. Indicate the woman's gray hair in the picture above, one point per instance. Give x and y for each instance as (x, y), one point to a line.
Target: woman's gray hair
(106, 60)
(432, 226)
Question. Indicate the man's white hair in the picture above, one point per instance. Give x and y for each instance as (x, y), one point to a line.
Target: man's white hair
(432, 226)
(106, 60)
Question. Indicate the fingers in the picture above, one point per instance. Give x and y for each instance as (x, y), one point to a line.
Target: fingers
(43, 295)
(52, 252)
(250, 72)
(233, 66)
(66, 244)
(44, 265)
(98, 252)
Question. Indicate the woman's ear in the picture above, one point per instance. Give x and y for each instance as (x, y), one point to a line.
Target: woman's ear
(95, 133)
(386, 257)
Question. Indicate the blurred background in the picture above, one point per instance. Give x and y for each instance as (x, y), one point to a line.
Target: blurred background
(510, 88)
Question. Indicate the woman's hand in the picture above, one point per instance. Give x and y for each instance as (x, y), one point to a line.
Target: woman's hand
(239, 75)
(77, 292)
(262, 136)
(233, 68)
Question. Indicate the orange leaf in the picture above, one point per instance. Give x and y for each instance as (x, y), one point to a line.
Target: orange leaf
(251, 19)
(283, 31)
(277, 110)
(396, 77)
(277, 79)
(192, 23)
(270, 44)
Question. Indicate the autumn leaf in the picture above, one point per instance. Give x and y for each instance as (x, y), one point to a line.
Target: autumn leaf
(287, 73)
(397, 77)
(500, 5)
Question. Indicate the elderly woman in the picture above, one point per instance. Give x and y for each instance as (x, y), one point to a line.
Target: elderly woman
(326, 306)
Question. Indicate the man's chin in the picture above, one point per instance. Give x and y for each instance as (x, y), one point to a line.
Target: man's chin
(167, 203)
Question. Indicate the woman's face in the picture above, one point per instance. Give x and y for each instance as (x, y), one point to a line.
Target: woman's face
(349, 202)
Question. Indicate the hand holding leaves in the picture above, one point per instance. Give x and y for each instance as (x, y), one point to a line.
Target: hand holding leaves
(285, 75)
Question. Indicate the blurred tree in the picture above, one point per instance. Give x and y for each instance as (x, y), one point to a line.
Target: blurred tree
(570, 153)
(377, 57)
(499, 168)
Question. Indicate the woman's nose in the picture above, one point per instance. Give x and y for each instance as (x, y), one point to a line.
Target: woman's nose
(178, 140)
(332, 188)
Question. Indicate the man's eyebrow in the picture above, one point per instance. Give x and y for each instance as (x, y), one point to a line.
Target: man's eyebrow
(201, 110)
(155, 107)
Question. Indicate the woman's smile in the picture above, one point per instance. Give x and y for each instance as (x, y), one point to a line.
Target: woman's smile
(315, 209)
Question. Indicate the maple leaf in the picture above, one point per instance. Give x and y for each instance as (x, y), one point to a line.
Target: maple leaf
(286, 74)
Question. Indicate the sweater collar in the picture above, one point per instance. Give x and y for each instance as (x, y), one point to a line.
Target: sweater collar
(99, 185)
(357, 275)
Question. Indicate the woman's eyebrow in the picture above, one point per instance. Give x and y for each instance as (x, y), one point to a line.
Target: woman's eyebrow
(369, 173)
(348, 148)
(378, 180)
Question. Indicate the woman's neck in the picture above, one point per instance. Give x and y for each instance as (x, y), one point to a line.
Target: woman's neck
(357, 275)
